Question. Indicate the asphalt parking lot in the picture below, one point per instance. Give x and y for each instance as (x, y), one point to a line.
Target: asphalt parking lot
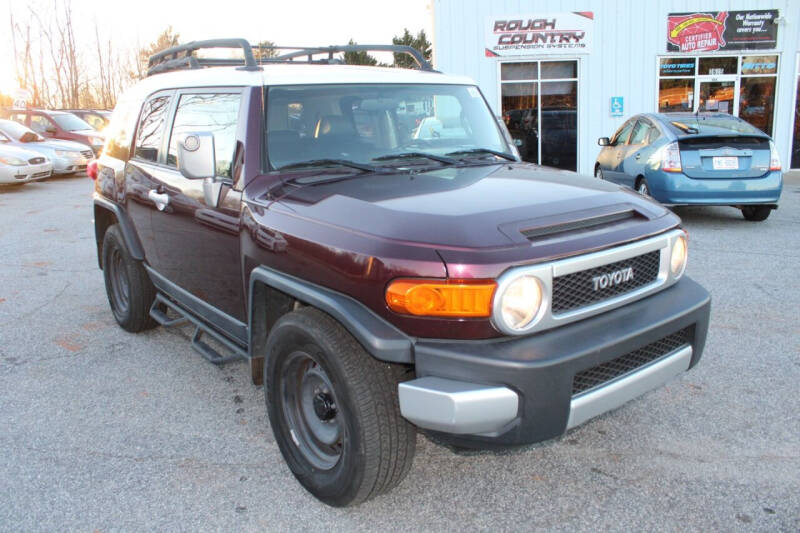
(105, 430)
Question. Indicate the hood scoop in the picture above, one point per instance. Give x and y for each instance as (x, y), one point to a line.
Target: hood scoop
(575, 224)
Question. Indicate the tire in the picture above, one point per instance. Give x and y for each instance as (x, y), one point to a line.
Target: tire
(642, 187)
(756, 213)
(598, 173)
(334, 410)
(129, 289)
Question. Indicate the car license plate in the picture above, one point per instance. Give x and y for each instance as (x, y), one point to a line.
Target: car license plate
(725, 163)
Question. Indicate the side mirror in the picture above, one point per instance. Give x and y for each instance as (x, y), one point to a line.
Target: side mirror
(51, 130)
(197, 160)
(604, 141)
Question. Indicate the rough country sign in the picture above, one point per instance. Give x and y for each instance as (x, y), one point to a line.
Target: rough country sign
(553, 33)
(710, 31)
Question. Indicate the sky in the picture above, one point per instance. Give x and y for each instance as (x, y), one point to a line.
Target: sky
(287, 22)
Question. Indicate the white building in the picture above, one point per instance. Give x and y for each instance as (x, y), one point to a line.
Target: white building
(563, 73)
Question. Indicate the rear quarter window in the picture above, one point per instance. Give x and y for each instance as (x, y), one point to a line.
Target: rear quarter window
(120, 129)
(151, 128)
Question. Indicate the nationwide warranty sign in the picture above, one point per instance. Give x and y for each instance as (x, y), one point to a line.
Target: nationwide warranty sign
(543, 33)
(711, 31)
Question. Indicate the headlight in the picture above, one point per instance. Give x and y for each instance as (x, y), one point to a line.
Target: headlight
(519, 303)
(66, 153)
(679, 256)
(96, 141)
(13, 161)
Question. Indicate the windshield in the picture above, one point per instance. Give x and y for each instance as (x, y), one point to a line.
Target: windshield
(368, 124)
(15, 130)
(69, 122)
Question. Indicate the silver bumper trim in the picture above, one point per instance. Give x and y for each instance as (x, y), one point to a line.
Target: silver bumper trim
(455, 406)
(596, 402)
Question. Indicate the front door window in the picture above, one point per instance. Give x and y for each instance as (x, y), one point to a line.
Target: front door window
(539, 101)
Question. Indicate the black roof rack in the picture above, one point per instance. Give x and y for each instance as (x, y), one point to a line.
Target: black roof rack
(182, 57)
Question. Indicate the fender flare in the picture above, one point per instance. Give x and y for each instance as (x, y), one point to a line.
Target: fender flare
(125, 225)
(381, 339)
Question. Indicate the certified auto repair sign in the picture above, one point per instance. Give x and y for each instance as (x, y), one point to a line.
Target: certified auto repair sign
(711, 31)
(543, 33)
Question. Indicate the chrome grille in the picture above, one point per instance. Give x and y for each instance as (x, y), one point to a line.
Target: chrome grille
(40, 175)
(601, 374)
(576, 290)
(36, 160)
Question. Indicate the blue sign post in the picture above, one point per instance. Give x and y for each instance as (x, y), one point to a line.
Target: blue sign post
(617, 106)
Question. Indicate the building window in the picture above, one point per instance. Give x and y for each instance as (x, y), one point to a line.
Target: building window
(539, 101)
(743, 86)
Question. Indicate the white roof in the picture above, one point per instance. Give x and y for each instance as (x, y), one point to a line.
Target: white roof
(293, 74)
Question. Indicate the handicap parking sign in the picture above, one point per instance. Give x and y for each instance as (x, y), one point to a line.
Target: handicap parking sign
(617, 106)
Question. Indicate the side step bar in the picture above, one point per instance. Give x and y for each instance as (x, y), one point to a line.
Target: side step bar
(158, 311)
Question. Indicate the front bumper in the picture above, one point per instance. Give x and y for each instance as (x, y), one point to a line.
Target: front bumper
(679, 189)
(520, 391)
(69, 165)
(26, 173)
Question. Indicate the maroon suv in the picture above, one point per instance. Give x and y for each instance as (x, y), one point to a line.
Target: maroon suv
(59, 125)
(368, 240)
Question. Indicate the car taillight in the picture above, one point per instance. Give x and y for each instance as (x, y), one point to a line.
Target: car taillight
(671, 158)
(774, 160)
(91, 169)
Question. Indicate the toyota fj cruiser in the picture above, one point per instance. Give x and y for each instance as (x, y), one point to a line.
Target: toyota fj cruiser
(369, 241)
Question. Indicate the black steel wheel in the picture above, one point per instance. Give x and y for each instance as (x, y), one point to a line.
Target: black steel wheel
(334, 410)
(129, 289)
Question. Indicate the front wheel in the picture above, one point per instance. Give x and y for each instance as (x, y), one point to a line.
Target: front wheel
(642, 187)
(334, 410)
(756, 213)
(598, 173)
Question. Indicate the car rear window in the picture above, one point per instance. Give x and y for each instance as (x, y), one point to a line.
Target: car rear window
(710, 125)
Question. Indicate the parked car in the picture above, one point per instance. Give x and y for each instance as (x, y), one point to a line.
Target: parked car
(695, 159)
(96, 118)
(67, 157)
(19, 166)
(378, 280)
(59, 125)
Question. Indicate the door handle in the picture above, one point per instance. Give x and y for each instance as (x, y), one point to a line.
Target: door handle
(161, 200)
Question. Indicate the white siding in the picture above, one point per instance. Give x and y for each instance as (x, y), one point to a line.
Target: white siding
(627, 38)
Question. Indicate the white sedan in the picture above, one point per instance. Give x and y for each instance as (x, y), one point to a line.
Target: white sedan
(21, 166)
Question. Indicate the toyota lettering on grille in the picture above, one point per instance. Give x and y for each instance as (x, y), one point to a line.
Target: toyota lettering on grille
(612, 279)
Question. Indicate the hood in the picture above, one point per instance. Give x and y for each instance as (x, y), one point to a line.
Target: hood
(15, 151)
(90, 133)
(476, 207)
(58, 144)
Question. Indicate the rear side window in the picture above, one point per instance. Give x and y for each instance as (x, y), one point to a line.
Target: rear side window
(151, 128)
(118, 133)
(215, 113)
(653, 135)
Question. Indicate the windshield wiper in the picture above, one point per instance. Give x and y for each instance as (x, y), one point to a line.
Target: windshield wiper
(418, 155)
(332, 163)
(484, 151)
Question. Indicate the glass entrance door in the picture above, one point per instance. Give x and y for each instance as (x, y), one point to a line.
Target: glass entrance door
(717, 95)
(539, 101)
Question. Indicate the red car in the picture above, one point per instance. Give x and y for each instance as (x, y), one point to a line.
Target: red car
(59, 125)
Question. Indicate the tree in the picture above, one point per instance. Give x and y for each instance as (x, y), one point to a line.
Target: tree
(263, 51)
(167, 39)
(359, 58)
(420, 42)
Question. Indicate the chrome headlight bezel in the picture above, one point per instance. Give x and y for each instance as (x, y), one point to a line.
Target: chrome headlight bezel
(677, 243)
(504, 283)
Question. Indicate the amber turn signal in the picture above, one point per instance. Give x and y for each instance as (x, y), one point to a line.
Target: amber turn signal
(452, 298)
